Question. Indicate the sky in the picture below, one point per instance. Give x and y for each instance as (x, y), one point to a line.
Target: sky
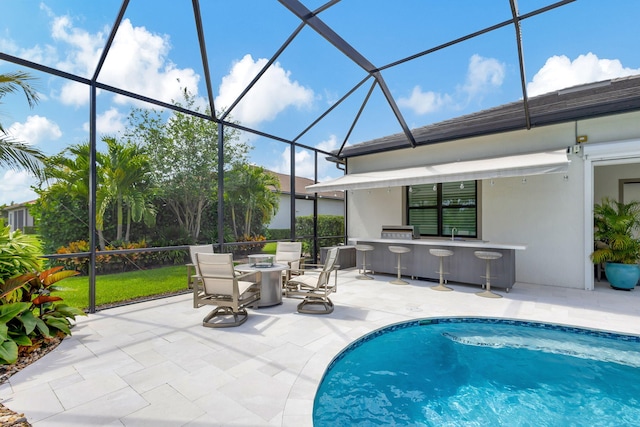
(155, 54)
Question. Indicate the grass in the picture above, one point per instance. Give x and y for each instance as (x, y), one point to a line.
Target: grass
(120, 287)
(269, 248)
(114, 288)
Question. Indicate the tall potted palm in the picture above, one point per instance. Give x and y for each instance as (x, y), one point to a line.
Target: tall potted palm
(619, 249)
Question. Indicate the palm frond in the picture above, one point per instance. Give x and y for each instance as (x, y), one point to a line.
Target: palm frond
(17, 155)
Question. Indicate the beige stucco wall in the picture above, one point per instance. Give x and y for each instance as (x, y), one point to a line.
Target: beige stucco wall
(547, 213)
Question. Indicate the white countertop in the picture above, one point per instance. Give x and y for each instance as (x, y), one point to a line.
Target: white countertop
(466, 243)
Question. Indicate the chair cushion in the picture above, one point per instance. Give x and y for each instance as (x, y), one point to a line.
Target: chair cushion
(244, 285)
(309, 281)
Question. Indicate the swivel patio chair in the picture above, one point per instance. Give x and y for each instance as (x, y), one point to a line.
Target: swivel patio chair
(316, 288)
(192, 267)
(219, 285)
(289, 253)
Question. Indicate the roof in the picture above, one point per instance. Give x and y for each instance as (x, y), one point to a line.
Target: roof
(603, 98)
(301, 183)
(15, 206)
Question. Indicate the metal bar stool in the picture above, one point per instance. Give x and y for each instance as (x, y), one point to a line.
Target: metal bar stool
(441, 253)
(362, 273)
(399, 250)
(488, 257)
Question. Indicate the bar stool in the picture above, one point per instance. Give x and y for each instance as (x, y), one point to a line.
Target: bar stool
(362, 274)
(399, 250)
(488, 257)
(441, 253)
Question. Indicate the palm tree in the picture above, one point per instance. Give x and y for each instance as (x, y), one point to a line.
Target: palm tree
(122, 178)
(248, 191)
(126, 176)
(15, 154)
(70, 171)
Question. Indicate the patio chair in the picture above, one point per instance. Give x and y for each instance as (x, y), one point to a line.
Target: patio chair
(192, 267)
(289, 253)
(219, 285)
(316, 288)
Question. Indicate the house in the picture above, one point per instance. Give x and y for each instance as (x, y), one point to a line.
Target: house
(329, 202)
(525, 173)
(19, 217)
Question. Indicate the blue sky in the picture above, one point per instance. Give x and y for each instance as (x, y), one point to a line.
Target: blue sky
(155, 54)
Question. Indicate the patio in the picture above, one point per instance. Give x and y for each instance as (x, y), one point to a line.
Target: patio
(153, 363)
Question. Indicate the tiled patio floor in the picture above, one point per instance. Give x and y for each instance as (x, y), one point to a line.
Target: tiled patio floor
(153, 364)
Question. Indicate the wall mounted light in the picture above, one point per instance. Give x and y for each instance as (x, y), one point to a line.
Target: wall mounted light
(462, 185)
(493, 183)
(566, 177)
(524, 180)
(435, 187)
(410, 189)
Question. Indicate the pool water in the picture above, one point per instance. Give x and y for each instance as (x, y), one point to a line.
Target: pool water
(482, 372)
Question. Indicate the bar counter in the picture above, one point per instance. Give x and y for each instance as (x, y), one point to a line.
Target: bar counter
(463, 266)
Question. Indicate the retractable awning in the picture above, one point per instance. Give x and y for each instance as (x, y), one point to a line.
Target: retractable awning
(498, 167)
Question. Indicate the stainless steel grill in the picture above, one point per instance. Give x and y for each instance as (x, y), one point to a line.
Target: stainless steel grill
(403, 232)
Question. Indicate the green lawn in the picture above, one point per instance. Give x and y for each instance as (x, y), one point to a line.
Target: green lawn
(114, 288)
(269, 248)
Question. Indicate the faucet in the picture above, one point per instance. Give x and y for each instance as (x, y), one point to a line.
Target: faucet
(453, 232)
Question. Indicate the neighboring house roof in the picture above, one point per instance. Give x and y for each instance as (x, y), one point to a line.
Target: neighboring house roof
(16, 206)
(301, 183)
(603, 98)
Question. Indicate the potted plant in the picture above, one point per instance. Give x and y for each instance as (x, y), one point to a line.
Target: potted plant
(618, 247)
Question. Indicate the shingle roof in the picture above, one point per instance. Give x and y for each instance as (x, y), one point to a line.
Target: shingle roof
(301, 183)
(576, 103)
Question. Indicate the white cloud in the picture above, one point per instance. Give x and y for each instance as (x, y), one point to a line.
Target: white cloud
(15, 187)
(560, 72)
(110, 122)
(73, 93)
(137, 62)
(37, 53)
(424, 102)
(274, 92)
(86, 47)
(35, 130)
(483, 74)
(305, 161)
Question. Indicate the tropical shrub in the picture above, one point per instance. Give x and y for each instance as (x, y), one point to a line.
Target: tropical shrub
(35, 315)
(248, 245)
(328, 225)
(615, 226)
(19, 253)
(28, 312)
(107, 262)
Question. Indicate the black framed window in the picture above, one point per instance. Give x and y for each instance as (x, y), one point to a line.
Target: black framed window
(436, 209)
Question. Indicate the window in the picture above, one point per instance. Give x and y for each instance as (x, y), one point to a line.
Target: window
(435, 209)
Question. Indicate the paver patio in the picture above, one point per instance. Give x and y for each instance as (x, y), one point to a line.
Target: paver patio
(153, 364)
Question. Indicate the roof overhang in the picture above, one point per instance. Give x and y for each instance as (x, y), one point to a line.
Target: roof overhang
(497, 167)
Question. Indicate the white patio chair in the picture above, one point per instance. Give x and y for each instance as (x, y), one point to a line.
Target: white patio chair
(315, 289)
(219, 285)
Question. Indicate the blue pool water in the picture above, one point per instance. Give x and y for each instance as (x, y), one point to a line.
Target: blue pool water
(482, 372)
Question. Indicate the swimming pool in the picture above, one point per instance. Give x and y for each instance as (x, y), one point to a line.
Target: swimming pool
(480, 372)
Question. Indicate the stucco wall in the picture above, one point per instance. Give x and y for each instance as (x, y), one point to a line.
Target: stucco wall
(548, 213)
(545, 213)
